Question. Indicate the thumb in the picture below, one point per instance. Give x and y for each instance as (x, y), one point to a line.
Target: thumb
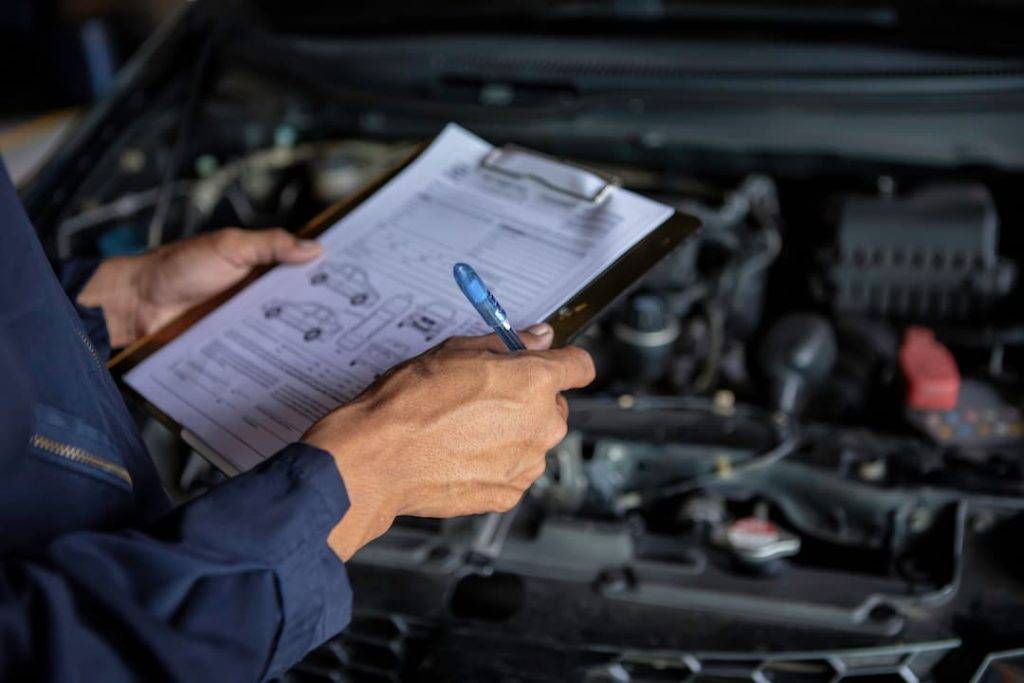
(538, 337)
(258, 247)
(287, 248)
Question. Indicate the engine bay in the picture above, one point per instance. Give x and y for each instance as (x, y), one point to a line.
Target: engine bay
(829, 469)
(802, 457)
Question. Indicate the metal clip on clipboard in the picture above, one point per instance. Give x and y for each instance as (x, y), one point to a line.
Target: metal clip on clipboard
(554, 174)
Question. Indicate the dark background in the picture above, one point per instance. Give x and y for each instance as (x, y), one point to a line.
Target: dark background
(58, 53)
(57, 56)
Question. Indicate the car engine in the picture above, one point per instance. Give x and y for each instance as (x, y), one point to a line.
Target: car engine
(801, 460)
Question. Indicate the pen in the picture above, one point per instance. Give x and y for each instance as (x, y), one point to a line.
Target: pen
(486, 305)
(489, 537)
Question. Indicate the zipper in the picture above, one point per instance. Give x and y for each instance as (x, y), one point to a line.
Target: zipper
(88, 345)
(80, 455)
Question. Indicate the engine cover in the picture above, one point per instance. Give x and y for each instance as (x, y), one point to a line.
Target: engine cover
(931, 255)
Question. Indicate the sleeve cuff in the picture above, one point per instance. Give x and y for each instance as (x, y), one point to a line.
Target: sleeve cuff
(314, 590)
(74, 273)
(278, 516)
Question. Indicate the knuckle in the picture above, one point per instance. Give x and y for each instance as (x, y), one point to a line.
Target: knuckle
(483, 368)
(230, 235)
(452, 342)
(232, 241)
(585, 360)
(448, 342)
(429, 366)
(503, 501)
(557, 431)
(509, 500)
(421, 368)
(403, 370)
(573, 355)
(550, 434)
(538, 469)
(536, 369)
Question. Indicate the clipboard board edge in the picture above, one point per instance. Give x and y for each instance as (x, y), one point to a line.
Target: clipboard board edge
(618, 280)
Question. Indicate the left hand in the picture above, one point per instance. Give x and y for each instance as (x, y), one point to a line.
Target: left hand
(140, 294)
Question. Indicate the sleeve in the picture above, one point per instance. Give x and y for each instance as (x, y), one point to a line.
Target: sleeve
(237, 585)
(73, 275)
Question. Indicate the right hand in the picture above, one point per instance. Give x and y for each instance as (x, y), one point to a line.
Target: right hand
(462, 429)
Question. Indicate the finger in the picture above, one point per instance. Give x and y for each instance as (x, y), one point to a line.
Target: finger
(261, 247)
(571, 367)
(287, 248)
(488, 342)
(562, 405)
(535, 338)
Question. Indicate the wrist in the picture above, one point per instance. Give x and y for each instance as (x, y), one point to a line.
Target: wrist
(114, 288)
(356, 452)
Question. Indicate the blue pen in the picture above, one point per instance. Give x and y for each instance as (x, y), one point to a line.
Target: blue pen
(486, 305)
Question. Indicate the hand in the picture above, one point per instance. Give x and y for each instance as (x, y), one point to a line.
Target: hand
(462, 429)
(140, 294)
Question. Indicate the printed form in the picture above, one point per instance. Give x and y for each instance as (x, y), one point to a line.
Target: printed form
(253, 375)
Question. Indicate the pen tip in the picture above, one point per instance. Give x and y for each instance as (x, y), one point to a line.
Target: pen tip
(470, 283)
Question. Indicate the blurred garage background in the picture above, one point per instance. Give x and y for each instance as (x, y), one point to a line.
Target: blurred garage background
(56, 57)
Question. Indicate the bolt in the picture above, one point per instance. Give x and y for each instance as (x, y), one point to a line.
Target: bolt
(724, 402)
(920, 519)
(872, 470)
(982, 522)
(132, 160)
(886, 186)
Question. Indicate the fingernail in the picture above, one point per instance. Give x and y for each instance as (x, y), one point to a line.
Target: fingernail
(308, 245)
(540, 329)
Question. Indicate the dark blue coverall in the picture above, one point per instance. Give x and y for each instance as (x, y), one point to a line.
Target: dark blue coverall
(99, 580)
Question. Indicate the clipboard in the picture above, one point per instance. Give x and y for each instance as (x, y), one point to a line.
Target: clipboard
(510, 161)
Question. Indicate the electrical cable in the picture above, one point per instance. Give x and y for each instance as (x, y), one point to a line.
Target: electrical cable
(765, 459)
(789, 440)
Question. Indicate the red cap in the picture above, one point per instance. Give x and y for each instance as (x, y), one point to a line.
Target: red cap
(750, 533)
(932, 378)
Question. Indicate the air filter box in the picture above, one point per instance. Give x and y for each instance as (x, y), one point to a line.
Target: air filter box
(927, 256)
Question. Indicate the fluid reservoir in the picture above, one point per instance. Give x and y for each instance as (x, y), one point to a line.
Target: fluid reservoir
(645, 335)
